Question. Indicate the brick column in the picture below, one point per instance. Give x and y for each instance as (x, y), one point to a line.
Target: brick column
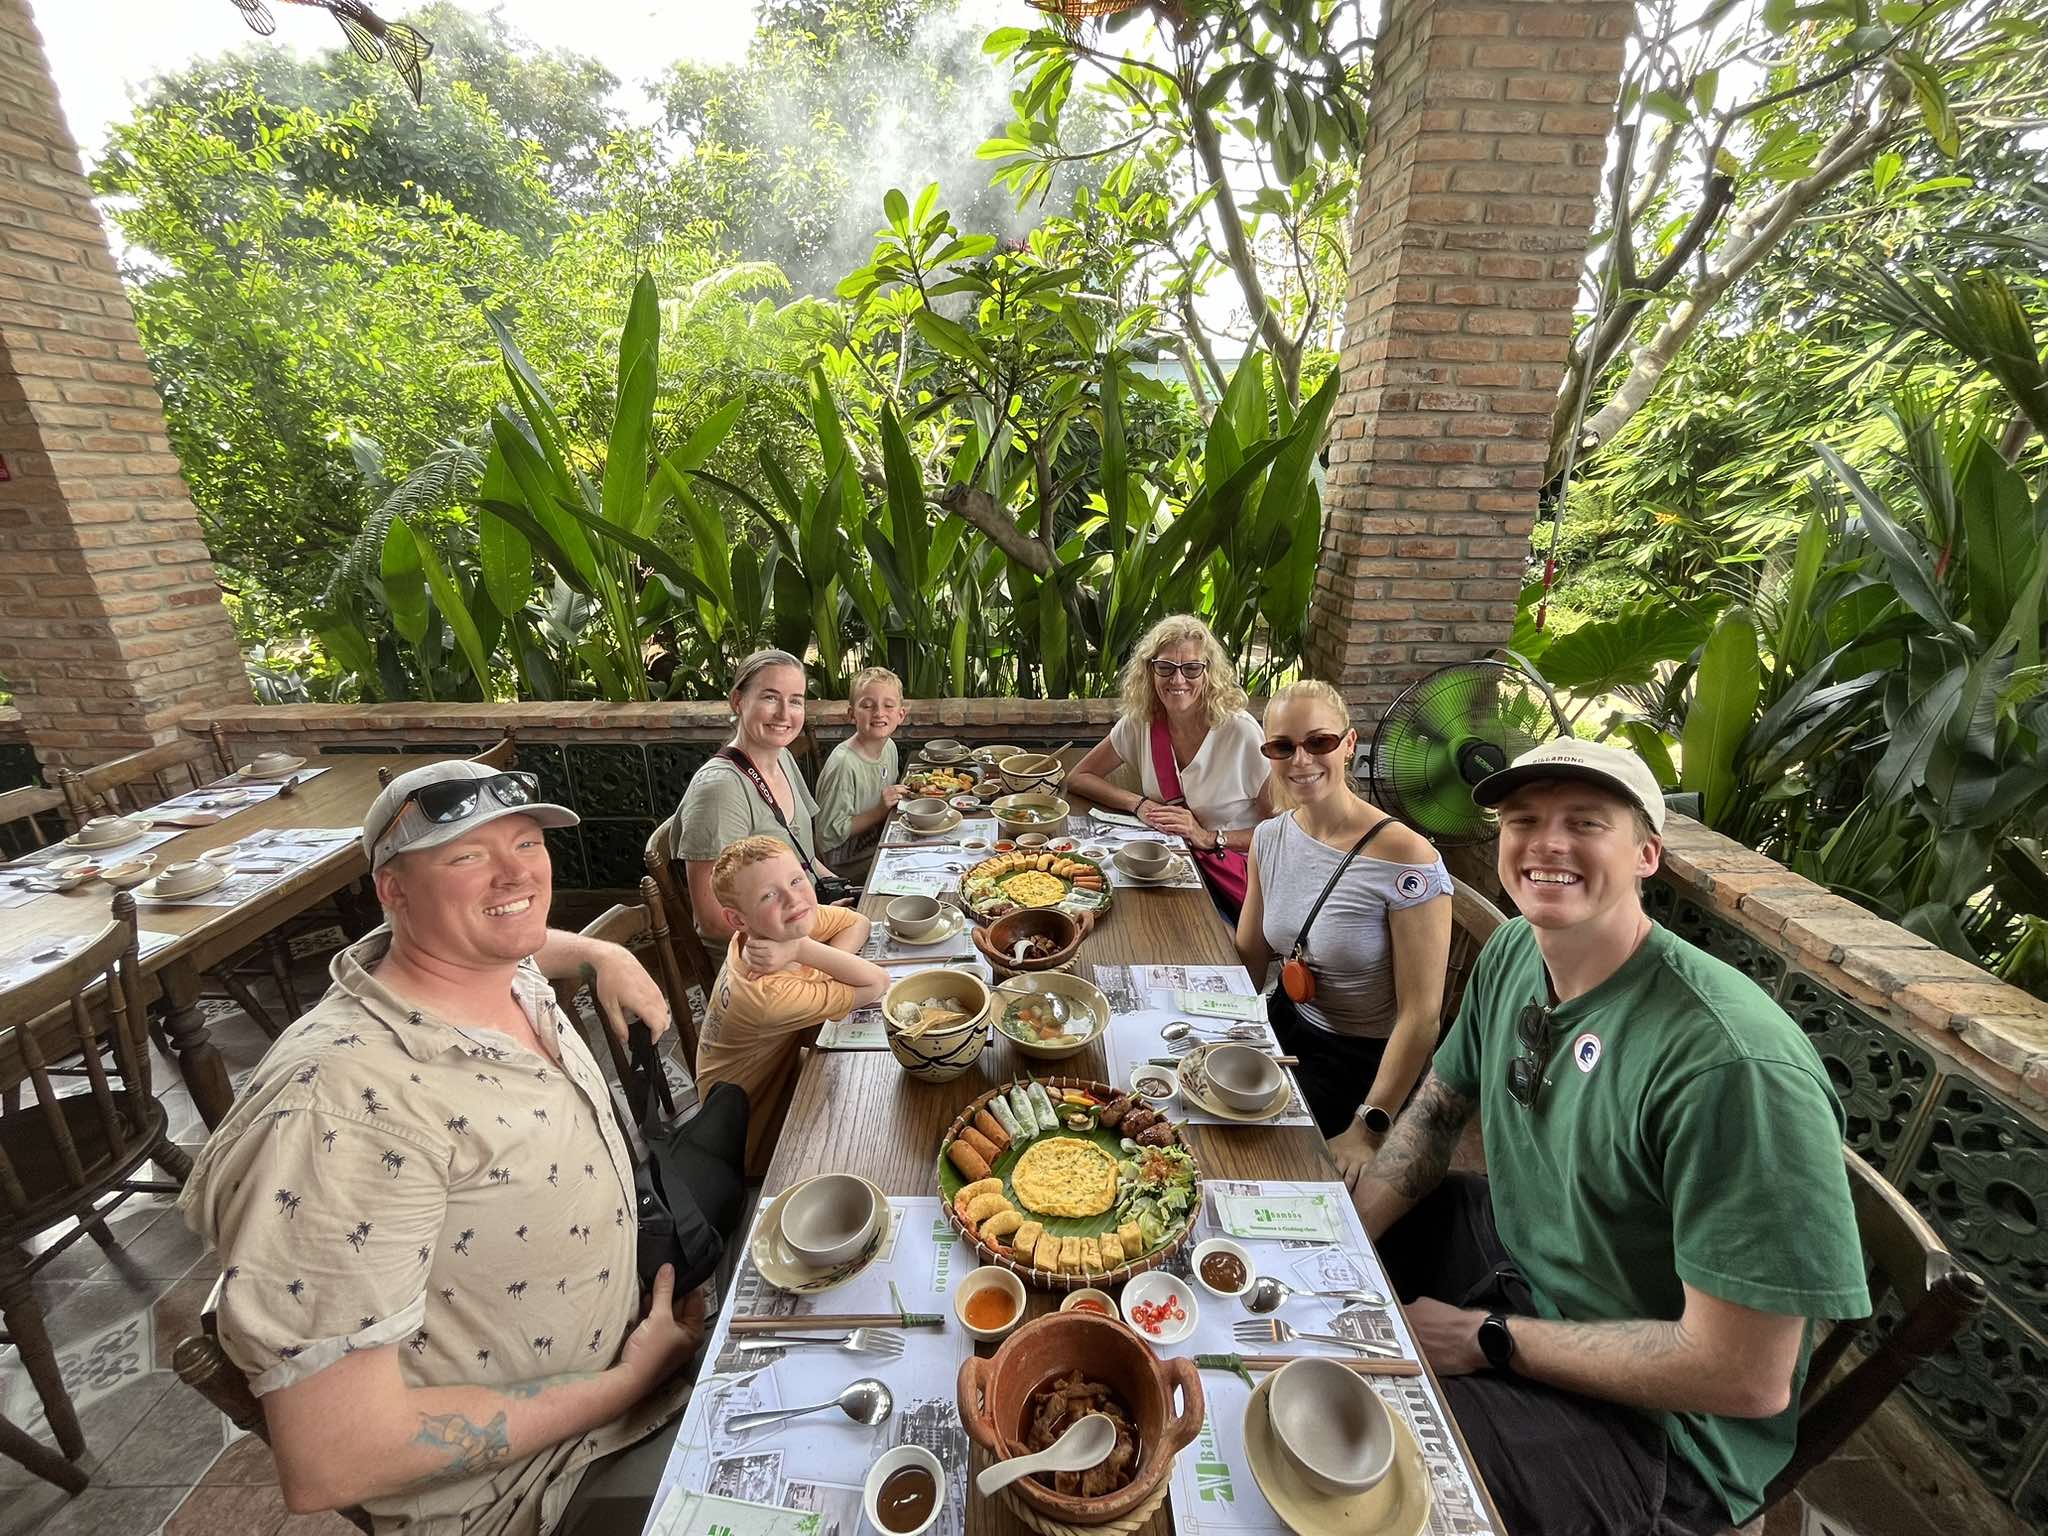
(111, 624)
(1488, 131)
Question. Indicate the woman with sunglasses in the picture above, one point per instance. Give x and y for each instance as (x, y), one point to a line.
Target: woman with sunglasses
(1195, 750)
(1361, 989)
(752, 787)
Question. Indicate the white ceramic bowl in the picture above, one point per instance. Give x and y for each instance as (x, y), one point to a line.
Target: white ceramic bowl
(944, 749)
(129, 872)
(1088, 1293)
(913, 917)
(1237, 1251)
(926, 812)
(1157, 1084)
(273, 762)
(72, 864)
(1331, 1425)
(1145, 857)
(827, 1220)
(887, 1467)
(1154, 1286)
(187, 875)
(1243, 1077)
(989, 1277)
(1034, 841)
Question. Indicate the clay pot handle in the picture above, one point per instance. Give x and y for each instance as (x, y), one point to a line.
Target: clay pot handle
(1180, 1371)
(973, 1405)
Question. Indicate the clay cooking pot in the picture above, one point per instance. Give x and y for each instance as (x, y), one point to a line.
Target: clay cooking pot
(996, 1393)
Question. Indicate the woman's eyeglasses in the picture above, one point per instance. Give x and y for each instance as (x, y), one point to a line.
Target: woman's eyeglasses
(457, 799)
(1191, 670)
(1317, 744)
(1525, 1072)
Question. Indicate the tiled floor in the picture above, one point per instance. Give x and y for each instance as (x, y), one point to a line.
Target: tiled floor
(163, 1460)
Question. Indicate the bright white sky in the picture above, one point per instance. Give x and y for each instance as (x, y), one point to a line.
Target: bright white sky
(102, 51)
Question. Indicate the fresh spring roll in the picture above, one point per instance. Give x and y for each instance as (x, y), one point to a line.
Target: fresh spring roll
(1042, 1110)
(999, 1107)
(1022, 1108)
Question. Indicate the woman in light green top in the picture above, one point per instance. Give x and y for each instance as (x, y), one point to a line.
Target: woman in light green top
(724, 803)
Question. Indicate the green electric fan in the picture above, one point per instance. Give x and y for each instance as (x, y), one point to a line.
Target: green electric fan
(1447, 731)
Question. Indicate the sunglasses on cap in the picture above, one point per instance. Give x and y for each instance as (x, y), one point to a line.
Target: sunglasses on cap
(457, 799)
(1316, 743)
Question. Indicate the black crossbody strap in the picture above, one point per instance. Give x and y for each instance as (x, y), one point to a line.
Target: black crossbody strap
(646, 1073)
(1371, 832)
(745, 765)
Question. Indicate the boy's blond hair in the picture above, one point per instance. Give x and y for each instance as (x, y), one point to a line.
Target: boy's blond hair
(744, 854)
(869, 679)
(1313, 690)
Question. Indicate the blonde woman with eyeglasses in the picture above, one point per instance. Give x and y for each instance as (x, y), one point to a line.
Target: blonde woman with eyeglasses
(1195, 749)
(1358, 908)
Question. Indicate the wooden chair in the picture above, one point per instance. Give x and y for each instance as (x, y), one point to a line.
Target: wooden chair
(72, 1157)
(204, 1366)
(673, 882)
(502, 753)
(1473, 920)
(640, 928)
(1905, 1258)
(139, 780)
(29, 819)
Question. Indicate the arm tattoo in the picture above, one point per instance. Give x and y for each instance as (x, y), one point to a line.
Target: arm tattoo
(534, 1388)
(471, 1448)
(1418, 1149)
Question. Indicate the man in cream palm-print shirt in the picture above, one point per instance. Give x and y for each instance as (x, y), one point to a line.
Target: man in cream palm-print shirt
(424, 1208)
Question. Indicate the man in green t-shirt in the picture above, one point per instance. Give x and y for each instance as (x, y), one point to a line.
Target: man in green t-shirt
(1620, 1311)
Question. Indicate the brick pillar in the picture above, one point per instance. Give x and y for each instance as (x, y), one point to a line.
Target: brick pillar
(111, 624)
(1488, 130)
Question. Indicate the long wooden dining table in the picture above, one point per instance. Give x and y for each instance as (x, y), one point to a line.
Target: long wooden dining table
(204, 937)
(858, 1111)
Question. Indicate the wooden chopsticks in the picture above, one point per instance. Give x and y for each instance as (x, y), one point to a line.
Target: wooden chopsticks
(813, 1323)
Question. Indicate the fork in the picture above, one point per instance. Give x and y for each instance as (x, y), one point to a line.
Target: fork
(1274, 1331)
(862, 1341)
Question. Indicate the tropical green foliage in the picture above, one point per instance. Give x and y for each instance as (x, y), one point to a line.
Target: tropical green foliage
(1876, 714)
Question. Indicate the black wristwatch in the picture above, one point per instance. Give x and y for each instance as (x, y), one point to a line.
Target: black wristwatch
(1374, 1119)
(1495, 1342)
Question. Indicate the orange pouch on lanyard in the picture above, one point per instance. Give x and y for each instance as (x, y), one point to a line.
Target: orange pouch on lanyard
(1296, 979)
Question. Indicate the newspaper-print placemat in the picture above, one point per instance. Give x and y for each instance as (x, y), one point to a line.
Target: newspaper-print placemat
(23, 961)
(901, 834)
(29, 865)
(862, 1030)
(1181, 876)
(917, 871)
(257, 863)
(818, 1463)
(1214, 1492)
(1136, 1038)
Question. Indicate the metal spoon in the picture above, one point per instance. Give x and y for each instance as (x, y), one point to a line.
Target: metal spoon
(1180, 1029)
(1267, 1294)
(1084, 1445)
(866, 1401)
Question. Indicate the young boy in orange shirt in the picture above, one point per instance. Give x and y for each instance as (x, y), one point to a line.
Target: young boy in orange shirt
(791, 965)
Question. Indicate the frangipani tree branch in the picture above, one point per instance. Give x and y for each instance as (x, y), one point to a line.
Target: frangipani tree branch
(1750, 239)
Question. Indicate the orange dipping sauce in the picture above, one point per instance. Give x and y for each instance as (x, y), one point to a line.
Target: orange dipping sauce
(990, 1308)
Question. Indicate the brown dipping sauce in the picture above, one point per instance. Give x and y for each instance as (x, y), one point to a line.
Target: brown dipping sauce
(1225, 1271)
(906, 1498)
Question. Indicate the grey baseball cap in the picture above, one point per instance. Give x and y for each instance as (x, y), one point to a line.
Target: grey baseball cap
(398, 823)
(1589, 762)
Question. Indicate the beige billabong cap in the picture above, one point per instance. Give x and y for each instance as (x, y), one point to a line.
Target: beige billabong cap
(397, 822)
(1589, 762)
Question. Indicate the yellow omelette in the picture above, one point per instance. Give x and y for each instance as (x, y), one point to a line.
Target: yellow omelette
(1065, 1176)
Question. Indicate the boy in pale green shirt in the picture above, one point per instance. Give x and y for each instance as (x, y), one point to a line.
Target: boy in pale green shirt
(857, 787)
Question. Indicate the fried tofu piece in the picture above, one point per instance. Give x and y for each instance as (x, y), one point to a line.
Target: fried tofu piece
(1133, 1241)
(1112, 1251)
(1070, 1253)
(1091, 1253)
(1025, 1243)
(1047, 1254)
